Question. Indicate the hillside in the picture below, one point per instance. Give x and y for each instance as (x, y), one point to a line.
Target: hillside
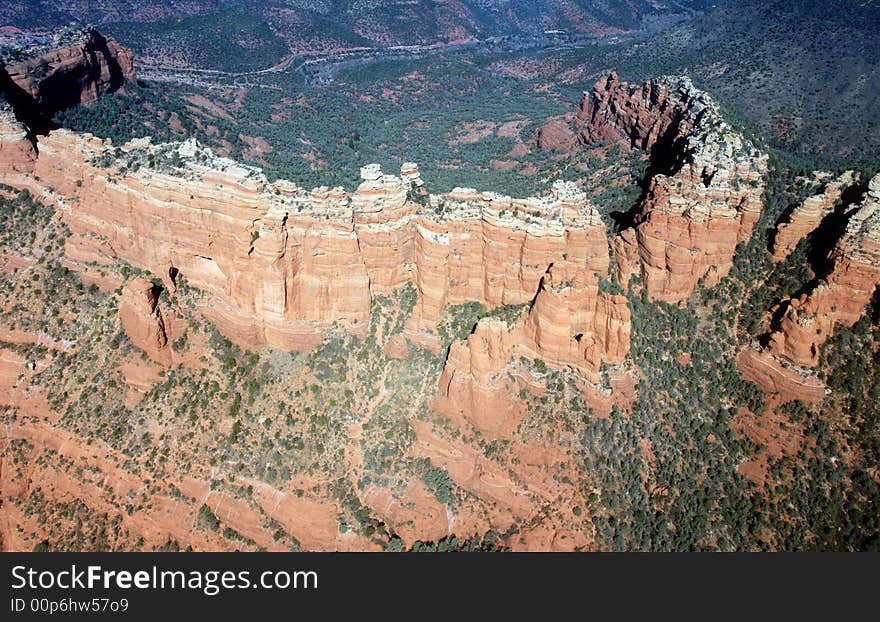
(243, 35)
(804, 75)
(800, 79)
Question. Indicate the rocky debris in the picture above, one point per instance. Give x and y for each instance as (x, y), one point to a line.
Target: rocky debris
(705, 197)
(80, 66)
(840, 297)
(142, 319)
(809, 215)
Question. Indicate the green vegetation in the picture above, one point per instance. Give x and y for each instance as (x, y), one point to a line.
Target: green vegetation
(333, 130)
(207, 520)
(235, 39)
(459, 321)
(73, 526)
(804, 75)
(21, 219)
(436, 479)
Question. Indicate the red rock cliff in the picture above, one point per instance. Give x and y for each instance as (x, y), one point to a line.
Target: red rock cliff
(840, 297)
(704, 195)
(78, 67)
(571, 326)
(142, 319)
(283, 264)
(807, 216)
(18, 151)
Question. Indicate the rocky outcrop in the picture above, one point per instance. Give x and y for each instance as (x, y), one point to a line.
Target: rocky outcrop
(704, 193)
(474, 385)
(651, 116)
(78, 67)
(383, 219)
(777, 379)
(142, 319)
(490, 248)
(17, 147)
(807, 216)
(803, 324)
(282, 263)
(571, 326)
(557, 135)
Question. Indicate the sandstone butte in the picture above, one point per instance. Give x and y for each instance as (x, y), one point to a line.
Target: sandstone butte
(79, 66)
(18, 151)
(283, 264)
(807, 216)
(705, 196)
(840, 297)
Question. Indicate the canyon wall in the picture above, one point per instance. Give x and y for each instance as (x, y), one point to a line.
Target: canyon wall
(571, 325)
(804, 323)
(807, 216)
(18, 151)
(280, 265)
(283, 264)
(78, 67)
(703, 194)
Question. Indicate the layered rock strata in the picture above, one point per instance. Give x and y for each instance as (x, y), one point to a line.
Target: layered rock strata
(79, 66)
(806, 322)
(283, 264)
(807, 216)
(571, 325)
(17, 147)
(490, 248)
(778, 379)
(704, 195)
(142, 319)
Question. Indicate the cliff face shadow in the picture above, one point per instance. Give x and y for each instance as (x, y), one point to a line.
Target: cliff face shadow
(829, 232)
(25, 107)
(820, 245)
(665, 157)
(63, 88)
(630, 218)
(775, 325)
(875, 303)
